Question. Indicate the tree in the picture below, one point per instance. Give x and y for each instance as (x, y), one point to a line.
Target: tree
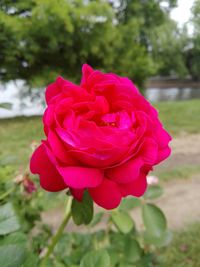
(40, 39)
(168, 49)
(193, 52)
(44, 38)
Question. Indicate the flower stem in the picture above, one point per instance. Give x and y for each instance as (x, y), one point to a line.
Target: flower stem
(58, 234)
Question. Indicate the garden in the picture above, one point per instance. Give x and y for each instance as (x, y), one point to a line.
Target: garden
(96, 173)
(30, 215)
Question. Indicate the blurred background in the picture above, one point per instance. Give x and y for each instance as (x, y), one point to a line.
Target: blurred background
(156, 43)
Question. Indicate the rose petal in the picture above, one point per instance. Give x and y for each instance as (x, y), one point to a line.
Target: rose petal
(50, 179)
(86, 71)
(149, 151)
(107, 194)
(58, 148)
(80, 177)
(136, 188)
(54, 89)
(163, 154)
(126, 172)
(77, 193)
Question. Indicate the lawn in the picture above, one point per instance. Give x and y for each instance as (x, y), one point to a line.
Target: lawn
(180, 116)
(181, 172)
(16, 136)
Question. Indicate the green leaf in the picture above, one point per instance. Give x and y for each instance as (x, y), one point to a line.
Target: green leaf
(132, 250)
(6, 105)
(96, 219)
(96, 259)
(31, 260)
(16, 238)
(153, 192)
(129, 203)
(122, 221)
(8, 220)
(161, 241)
(125, 264)
(114, 256)
(12, 255)
(82, 212)
(154, 220)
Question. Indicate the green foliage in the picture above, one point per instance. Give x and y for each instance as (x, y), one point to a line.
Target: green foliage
(121, 245)
(96, 219)
(133, 251)
(59, 36)
(130, 203)
(8, 220)
(12, 255)
(167, 41)
(96, 258)
(137, 39)
(82, 211)
(156, 226)
(154, 220)
(193, 52)
(153, 191)
(122, 221)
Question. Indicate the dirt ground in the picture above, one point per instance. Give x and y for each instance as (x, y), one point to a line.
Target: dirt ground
(181, 200)
(185, 151)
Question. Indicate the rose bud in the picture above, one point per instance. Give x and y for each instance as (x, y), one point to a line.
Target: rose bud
(29, 186)
(102, 136)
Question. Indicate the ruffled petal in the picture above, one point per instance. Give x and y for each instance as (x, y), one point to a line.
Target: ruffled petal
(58, 148)
(163, 154)
(149, 151)
(51, 91)
(50, 179)
(86, 71)
(80, 177)
(107, 194)
(136, 188)
(126, 172)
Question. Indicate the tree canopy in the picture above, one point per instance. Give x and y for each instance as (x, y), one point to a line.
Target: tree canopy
(40, 39)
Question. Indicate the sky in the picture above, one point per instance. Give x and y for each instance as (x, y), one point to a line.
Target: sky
(182, 13)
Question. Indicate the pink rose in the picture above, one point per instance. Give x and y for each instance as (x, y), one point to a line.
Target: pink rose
(102, 136)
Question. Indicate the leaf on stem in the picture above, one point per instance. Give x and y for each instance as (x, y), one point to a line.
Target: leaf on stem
(96, 259)
(8, 219)
(122, 221)
(82, 211)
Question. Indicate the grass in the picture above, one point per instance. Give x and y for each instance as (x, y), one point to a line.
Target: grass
(16, 136)
(180, 116)
(183, 172)
(184, 249)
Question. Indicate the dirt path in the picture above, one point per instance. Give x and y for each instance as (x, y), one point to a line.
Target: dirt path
(185, 151)
(180, 204)
(181, 200)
